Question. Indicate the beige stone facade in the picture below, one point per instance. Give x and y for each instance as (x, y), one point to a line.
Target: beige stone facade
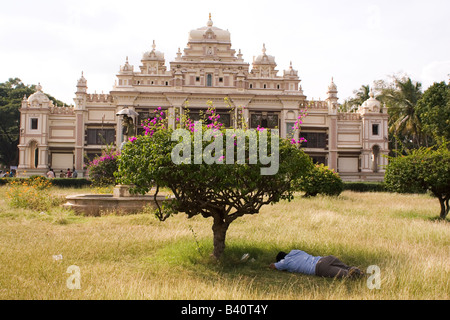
(208, 69)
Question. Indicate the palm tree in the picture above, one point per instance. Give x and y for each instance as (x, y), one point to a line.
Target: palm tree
(401, 99)
(361, 95)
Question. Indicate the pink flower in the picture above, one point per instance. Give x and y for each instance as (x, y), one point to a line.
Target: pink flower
(131, 140)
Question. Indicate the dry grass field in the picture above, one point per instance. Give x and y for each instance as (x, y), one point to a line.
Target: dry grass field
(138, 257)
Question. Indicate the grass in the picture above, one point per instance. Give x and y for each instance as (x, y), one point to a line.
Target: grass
(138, 257)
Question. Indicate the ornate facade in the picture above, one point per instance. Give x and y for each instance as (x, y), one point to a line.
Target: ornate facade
(208, 69)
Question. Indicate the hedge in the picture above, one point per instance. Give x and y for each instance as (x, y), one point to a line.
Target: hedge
(59, 182)
(365, 186)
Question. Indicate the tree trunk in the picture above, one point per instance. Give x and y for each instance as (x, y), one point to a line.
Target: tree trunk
(219, 228)
(444, 207)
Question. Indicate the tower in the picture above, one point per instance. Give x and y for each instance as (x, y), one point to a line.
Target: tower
(375, 143)
(33, 142)
(332, 102)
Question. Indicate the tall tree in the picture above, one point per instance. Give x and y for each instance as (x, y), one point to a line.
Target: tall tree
(11, 95)
(434, 111)
(401, 98)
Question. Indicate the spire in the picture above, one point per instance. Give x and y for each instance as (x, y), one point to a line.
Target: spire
(154, 45)
(264, 48)
(209, 23)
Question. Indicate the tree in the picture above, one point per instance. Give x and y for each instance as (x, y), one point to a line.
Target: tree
(401, 98)
(433, 110)
(11, 95)
(424, 169)
(222, 190)
(360, 96)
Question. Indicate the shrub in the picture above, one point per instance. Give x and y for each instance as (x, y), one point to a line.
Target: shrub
(32, 193)
(425, 169)
(101, 169)
(365, 186)
(321, 180)
(71, 183)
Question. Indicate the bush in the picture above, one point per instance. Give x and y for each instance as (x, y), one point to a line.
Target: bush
(101, 169)
(71, 183)
(57, 182)
(31, 193)
(321, 180)
(365, 186)
(422, 170)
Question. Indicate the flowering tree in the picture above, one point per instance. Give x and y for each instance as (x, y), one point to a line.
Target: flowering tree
(236, 172)
(101, 169)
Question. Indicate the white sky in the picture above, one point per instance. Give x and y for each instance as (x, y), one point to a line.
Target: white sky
(354, 41)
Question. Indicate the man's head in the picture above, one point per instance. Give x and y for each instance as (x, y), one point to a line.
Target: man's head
(281, 255)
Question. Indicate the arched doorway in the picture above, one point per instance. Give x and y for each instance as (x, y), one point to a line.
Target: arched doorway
(34, 155)
(375, 158)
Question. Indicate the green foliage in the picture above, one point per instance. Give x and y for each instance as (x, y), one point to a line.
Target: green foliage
(102, 168)
(218, 190)
(321, 180)
(32, 193)
(365, 186)
(57, 182)
(434, 111)
(424, 169)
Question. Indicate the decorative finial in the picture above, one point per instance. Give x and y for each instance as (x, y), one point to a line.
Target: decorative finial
(39, 87)
(371, 94)
(153, 45)
(264, 48)
(209, 23)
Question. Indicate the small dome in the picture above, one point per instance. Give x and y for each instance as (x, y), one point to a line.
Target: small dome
(154, 54)
(126, 68)
(332, 87)
(372, 104)
(264, 58)
(38, 97)
(82, 81)
(209, 32)
(291, 72)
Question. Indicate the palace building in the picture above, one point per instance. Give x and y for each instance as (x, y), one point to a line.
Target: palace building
(208, 69)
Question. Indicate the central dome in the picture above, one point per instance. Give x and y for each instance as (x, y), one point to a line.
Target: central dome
(209, 33)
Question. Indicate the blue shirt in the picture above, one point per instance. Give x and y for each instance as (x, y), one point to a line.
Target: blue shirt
(298, 261)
